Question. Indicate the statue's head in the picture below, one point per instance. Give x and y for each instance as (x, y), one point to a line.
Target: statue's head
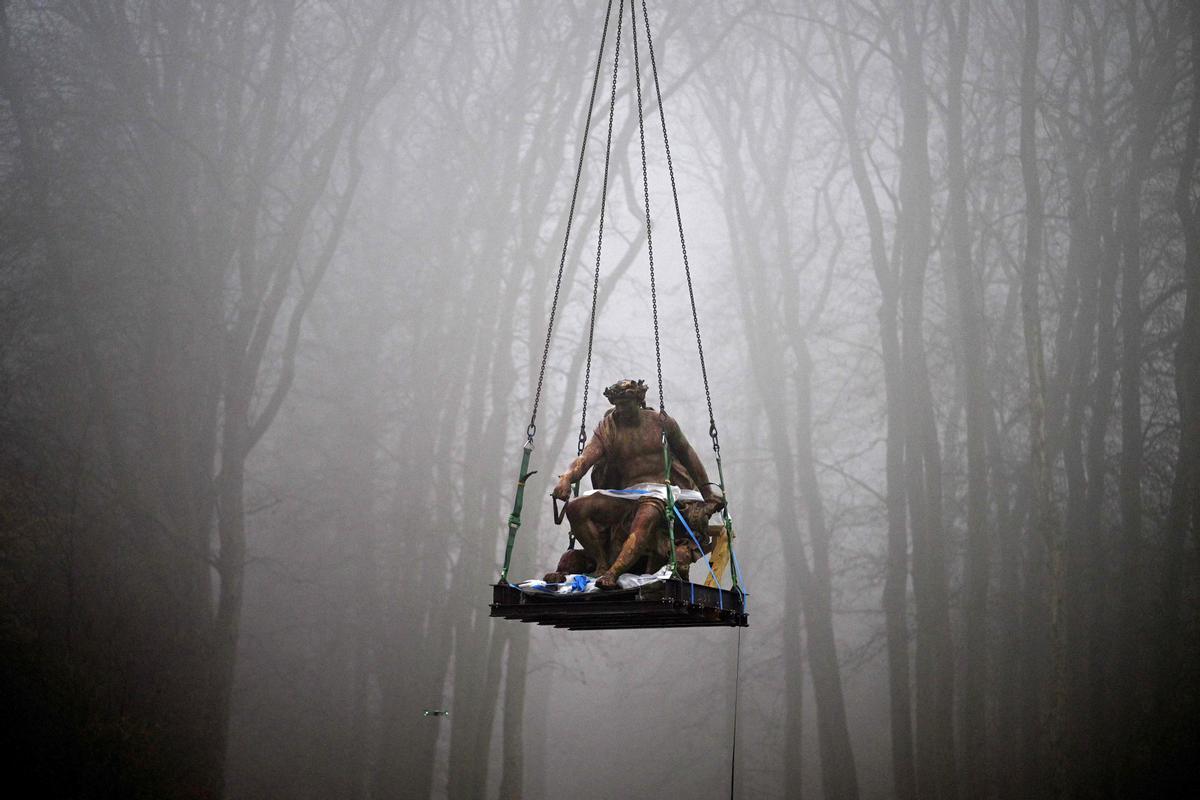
(627, 389)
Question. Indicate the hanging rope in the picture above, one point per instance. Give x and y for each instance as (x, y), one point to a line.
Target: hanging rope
(514, 518)
(737, 682)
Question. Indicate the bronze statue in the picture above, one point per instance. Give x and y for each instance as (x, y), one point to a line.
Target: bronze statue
(621, 530)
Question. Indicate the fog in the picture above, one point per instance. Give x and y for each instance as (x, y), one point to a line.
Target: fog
(275, 285)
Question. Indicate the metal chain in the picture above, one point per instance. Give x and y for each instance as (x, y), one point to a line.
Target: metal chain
(637, 79)
(712, 422)
(612, 106)
(537, 396)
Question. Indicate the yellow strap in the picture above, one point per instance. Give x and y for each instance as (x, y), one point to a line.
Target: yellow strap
(719, 557)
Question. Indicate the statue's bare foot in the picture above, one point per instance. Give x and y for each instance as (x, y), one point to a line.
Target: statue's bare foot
(554, 577)
(607, 581)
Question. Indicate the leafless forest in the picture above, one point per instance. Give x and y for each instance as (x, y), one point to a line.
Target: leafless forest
(275, 279)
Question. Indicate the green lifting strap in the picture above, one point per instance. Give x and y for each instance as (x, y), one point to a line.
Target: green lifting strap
(514, 519)
(670, 504)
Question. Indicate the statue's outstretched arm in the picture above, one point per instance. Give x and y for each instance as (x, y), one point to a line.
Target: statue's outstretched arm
(592, 453)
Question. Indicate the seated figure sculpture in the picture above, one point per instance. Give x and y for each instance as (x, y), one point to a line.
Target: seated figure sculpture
(621, 530)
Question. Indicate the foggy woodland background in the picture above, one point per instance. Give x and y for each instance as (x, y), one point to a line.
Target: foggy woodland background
(274, 282)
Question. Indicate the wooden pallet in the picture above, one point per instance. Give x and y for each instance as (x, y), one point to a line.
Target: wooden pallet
(667, 604)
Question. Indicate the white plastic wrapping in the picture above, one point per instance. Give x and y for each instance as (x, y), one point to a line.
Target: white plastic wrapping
(658, 490)
(584, 584)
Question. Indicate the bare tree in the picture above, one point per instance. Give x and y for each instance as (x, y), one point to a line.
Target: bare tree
(234, 193)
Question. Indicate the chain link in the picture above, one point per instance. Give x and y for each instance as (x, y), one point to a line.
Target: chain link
(637, 80)
(712, 430)
(587, 124)
(662, 115)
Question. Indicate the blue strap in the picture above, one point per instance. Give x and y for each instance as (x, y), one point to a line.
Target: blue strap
(686, 527)
(579, 583)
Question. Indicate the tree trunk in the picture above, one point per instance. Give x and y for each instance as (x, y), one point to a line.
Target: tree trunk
(1043, 519)
(895, 590)
(1152, 81)
(1183, 514)
(1097, 543)
(970, 315)
(839, 778)
(936, 771)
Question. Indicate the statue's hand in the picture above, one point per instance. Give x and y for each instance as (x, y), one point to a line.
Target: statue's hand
(714, 499)
(563, 490)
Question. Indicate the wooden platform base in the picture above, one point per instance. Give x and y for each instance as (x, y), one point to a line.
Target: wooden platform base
(669, 604)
